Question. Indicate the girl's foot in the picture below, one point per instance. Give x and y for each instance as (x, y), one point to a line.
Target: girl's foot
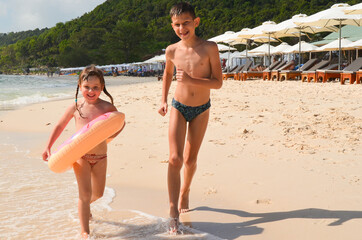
(84, 236)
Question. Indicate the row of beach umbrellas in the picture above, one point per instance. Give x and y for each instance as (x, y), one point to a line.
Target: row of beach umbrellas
(328, 20)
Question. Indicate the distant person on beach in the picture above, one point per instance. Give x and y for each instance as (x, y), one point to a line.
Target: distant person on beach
(198, 69)
(90, 170)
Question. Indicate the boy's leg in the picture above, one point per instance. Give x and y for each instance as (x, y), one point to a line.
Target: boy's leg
(82, 172)
(98, 175)
(176, 137)
(195, 135)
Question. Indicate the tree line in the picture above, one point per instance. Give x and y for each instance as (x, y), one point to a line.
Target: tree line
(121, 31)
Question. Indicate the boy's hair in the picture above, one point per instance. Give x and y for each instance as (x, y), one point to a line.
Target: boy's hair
(182, 7)
(88, 71)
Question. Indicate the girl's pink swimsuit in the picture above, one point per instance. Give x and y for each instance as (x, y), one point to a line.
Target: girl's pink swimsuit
(93, 159)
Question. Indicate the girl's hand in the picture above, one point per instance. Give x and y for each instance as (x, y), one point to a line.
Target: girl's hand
(46, 154)
(163, 109)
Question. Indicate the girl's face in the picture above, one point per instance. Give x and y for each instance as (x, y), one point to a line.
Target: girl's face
(91, 89)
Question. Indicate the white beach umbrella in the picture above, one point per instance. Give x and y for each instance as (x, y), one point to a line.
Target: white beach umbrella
(289, 28)
(333, 16)
(223, 47)
(357, 44)
(223, 37)
(334, 45)
(281, 48)
(262, 49)
(304, 47)
(354, 9)
(264, 30)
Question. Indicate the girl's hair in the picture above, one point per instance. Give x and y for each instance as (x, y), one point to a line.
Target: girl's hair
(88, 71)
(182, 7)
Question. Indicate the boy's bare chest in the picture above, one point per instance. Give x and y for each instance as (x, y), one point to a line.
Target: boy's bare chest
(190, 60)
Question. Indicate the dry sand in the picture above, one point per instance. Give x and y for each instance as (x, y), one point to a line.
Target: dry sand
(280, 160)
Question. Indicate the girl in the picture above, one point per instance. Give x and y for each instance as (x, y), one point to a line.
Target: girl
(90, 170)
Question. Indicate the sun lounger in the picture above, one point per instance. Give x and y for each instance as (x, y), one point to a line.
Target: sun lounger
(295, 74)
(253, 73)
(230, 73)
(245, 68)
(350, 72)
(237, 71)
(311, 73)
(325, 75)
(359, 76)
(275, 73)
(267, 71)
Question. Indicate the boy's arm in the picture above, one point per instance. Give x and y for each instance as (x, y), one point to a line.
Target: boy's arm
(215, 81)
(166, 82)
(58, 129)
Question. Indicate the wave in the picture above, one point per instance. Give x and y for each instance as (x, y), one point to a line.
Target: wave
(31, 99)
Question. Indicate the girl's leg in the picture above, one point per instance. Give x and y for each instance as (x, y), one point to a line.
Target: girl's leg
(82, 172)
(98, 176)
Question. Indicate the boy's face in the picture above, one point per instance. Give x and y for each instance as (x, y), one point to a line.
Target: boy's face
(184, 25)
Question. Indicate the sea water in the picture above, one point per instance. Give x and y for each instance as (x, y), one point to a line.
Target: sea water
(36, 203)
(18, 90)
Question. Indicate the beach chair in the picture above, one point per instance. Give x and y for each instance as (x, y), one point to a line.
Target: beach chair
(274, 75)
(359, 76)
(295, 74)
(245, 68)
(267, 71)
(229, 73)
(252, 74)
(350, 72)
(310, 74)
(327, 74)
(236, 73)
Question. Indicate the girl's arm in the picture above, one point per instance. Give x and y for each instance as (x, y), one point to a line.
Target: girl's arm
(58, 129)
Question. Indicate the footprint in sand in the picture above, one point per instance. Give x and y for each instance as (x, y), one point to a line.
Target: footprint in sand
(210, 190)
(208, 174)
(263, 201)
(217, 142)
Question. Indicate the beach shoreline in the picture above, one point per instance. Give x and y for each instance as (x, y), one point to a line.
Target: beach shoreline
(280, 160)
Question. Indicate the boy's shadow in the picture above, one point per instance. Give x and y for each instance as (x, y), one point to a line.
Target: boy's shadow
(235, 230)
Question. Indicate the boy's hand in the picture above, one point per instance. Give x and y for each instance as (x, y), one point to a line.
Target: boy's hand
(163, 109)
(182, 76)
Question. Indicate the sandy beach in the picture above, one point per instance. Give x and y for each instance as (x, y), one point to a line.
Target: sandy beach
(280, 160)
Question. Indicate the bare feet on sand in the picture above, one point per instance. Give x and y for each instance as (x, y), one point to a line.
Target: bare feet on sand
(84, 236)
(174, 226)
(184, 202)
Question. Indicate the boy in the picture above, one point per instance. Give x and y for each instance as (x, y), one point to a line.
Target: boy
(198, 70)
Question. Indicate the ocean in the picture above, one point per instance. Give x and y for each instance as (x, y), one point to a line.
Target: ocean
(39, 204)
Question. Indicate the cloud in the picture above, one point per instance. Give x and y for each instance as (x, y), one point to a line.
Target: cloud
(20, 15)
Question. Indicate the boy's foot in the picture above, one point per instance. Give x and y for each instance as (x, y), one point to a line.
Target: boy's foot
(174, 226)
(184, 203)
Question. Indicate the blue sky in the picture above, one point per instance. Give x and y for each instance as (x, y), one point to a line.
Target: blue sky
(22, 15)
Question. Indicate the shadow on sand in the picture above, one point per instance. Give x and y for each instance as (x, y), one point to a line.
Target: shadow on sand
(243, 228)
